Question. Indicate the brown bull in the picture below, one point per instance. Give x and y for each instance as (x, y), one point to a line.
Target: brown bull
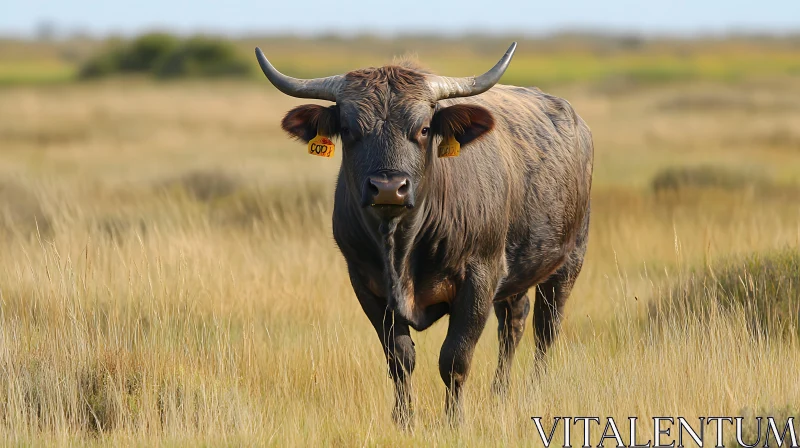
(425, 236)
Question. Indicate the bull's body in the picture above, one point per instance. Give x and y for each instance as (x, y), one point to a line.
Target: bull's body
(513, 206)
(518, 198)
(425, 236)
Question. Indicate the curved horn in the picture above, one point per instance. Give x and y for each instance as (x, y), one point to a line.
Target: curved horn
(445, 87)
(318, 88)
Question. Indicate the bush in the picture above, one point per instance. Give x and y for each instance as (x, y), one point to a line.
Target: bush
(165, 56)
(705, 177)
(203, 57)
(146, 52)
(140, 56)
(765, 286)
(751, 432)
(104, 64)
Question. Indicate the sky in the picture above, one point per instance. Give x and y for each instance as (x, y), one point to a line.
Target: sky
(314, 17)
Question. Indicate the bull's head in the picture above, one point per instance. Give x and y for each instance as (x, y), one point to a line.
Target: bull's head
(388, 119)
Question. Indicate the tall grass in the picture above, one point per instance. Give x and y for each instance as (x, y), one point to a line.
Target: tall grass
(188, 290)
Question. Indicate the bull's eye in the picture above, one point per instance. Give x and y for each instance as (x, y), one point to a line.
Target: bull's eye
(424, 132)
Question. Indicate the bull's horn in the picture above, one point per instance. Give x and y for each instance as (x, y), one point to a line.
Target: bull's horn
(445, 87)
(318, 88)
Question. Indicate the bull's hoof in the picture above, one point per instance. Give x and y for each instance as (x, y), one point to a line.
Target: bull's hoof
(455, 415)
(500, 387)
(455, 419)
(403, 418)
(540, 368)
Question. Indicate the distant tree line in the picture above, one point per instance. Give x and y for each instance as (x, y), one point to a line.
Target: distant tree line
(165, 56)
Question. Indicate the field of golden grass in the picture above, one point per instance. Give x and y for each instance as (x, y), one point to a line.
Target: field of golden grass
(168, 274)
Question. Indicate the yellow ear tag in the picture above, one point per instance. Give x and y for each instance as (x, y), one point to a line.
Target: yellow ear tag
(321, 146)
(449, 147)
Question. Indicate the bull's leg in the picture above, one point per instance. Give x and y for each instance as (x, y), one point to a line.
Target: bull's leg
(401, 359)
(397, 346)
(467, 321)
(511, 315)
(551, 295)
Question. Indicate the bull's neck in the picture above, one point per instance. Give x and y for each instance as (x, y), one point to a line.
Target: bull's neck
(395, 237)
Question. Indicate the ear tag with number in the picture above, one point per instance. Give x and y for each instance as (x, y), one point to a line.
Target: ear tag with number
(449, 147)
(321, 146)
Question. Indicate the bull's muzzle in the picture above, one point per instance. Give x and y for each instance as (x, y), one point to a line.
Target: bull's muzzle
(388, 189)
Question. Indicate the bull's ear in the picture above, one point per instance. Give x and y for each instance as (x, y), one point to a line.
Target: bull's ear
(306, 121)
(466, 122)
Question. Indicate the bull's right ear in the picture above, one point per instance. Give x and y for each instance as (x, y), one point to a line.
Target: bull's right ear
(306, 121)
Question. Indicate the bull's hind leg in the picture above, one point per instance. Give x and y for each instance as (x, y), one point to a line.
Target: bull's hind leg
(511, 315)
(551, 295)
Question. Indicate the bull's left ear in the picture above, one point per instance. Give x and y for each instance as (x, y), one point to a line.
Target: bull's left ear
(466, 122)
(307, 121)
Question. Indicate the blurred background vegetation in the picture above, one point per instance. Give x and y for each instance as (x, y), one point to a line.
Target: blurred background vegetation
(561, 58)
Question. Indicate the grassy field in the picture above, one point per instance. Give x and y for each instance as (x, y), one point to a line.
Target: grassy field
(168, 274)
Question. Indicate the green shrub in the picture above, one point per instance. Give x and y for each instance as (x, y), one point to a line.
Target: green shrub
(765, 286)
(165, 56)
(103, 64)
(203, 57)
(705, 177)
(146, 52)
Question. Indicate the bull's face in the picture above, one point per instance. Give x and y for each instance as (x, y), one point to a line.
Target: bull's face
(385, 136)
(388, 121)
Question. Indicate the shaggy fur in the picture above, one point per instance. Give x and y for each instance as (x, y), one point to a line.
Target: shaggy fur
(510, 213)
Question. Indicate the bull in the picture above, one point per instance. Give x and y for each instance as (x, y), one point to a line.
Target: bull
(424, 236)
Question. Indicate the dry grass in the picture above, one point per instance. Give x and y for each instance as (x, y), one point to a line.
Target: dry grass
(188, 289)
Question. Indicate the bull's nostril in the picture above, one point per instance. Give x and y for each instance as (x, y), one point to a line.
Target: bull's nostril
(373, 189)
(403, 190)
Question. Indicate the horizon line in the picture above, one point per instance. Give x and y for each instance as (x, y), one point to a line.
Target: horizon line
(56, 34)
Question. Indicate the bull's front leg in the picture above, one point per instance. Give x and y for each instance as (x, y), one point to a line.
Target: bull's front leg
(397, 346)
(468, 316)
(401, 359)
